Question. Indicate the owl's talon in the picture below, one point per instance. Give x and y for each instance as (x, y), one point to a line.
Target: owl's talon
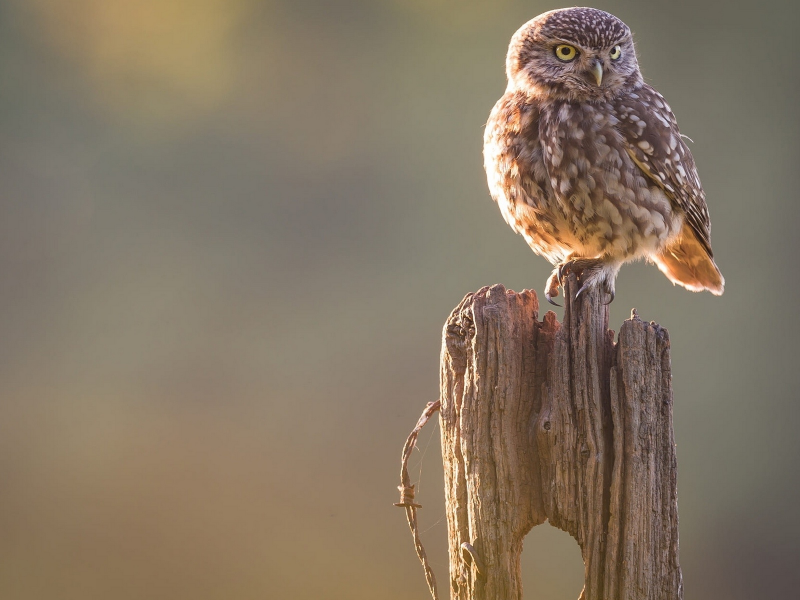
(608, 288)
(550, 299)
(551, 287)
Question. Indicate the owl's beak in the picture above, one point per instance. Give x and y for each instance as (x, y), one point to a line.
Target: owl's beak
(597, 71)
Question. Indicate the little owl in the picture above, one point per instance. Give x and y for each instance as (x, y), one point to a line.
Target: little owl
(586, 161)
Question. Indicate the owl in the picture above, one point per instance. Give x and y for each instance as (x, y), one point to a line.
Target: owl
(586, 162)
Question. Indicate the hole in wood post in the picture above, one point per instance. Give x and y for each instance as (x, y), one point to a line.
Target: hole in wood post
(552, 567)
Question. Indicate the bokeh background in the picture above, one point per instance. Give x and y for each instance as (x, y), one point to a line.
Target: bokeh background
(230, 233)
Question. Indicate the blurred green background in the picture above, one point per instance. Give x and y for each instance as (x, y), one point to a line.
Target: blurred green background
(230, 233)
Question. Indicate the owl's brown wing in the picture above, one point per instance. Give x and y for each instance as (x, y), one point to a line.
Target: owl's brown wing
(655, 144)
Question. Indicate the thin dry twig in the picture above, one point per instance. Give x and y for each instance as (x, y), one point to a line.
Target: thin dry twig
(407, 495)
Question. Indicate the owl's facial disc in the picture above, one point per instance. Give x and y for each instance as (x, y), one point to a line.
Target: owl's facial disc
(577, 54)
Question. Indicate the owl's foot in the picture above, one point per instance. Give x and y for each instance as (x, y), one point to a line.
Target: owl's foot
(551, 287)
(590, 272)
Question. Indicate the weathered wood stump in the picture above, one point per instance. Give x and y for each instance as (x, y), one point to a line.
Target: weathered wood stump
(547, 421)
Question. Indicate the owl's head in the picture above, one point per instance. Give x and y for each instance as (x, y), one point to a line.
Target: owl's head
(577, 54)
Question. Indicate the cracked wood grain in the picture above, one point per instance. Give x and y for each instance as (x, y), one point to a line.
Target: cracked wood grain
(543, 420)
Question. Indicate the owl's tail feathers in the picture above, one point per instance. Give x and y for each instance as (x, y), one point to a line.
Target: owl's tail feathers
(686, 262)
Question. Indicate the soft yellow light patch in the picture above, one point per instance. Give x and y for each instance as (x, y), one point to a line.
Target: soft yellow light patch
(153, 58)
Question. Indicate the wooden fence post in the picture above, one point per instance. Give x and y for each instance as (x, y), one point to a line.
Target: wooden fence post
(548, 421)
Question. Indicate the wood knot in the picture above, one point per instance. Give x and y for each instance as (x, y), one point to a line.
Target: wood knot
(547, 426)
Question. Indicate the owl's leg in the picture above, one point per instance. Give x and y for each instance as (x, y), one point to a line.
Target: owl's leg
(556, 280)
(591, 272)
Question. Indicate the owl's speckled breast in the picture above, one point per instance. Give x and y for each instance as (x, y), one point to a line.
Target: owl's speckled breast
(563, 178)
(612, 207)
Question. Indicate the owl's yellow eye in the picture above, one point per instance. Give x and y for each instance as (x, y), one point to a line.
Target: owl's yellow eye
(565, 52)
(615, 53)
